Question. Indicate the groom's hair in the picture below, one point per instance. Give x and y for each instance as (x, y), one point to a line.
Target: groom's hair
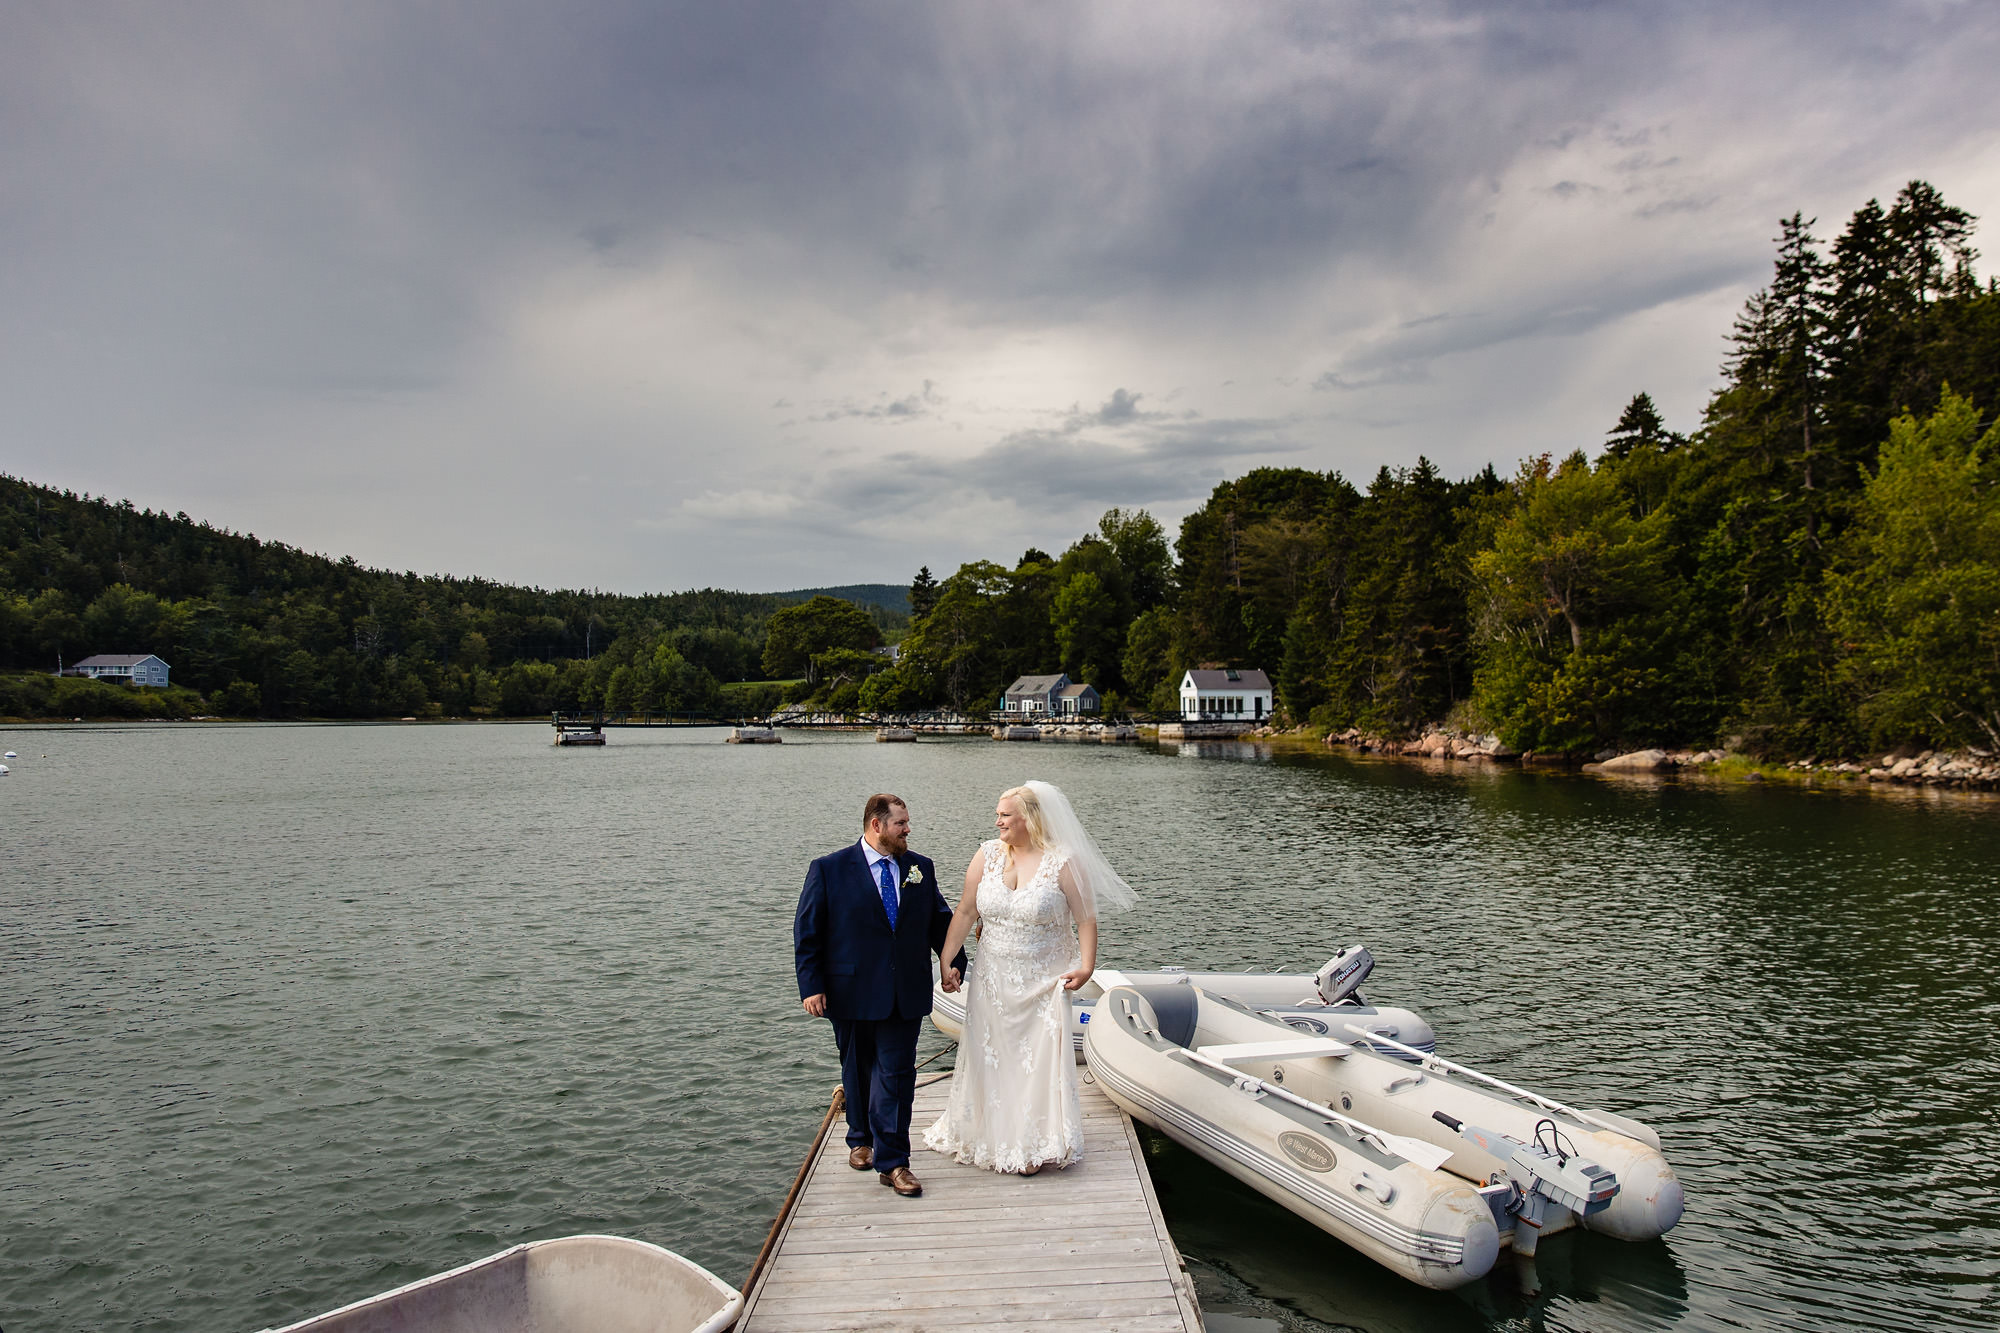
(878, 808)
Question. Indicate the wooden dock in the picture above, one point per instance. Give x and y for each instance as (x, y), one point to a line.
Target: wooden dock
(1081, 1249)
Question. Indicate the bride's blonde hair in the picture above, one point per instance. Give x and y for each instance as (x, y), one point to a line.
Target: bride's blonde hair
(1030, 806)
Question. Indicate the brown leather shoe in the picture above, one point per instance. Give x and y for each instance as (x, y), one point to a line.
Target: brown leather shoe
(901, 1181)
(861, 1158)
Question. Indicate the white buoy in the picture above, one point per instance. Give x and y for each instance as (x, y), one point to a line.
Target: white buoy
(9, 755)
(4, 770)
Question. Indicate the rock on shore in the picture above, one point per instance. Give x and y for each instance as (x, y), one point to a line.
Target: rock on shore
(1639, 761)
(1971, 767)
(1437, 743)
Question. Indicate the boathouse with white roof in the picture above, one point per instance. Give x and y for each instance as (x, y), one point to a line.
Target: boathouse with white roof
(1227, 695)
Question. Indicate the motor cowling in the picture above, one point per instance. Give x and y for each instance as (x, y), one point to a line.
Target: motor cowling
(1344, 972)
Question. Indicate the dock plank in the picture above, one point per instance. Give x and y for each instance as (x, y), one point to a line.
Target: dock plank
(1082, 1248)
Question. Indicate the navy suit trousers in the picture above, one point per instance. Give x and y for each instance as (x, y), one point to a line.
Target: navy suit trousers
(878, 1070)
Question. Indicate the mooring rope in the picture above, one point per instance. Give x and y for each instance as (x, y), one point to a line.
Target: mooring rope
(937, 1078)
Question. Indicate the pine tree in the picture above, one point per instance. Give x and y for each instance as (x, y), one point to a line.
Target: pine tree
(1802, 323)
(1639, 424)
(923, 593)
(1900, 276)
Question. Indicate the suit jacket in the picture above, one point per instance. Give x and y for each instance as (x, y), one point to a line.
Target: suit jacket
(845, 949)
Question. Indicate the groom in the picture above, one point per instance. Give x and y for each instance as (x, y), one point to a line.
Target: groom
(868, 921)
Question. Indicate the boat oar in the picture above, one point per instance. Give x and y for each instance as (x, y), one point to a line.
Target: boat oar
(1617, 1124)
(1426, 1155)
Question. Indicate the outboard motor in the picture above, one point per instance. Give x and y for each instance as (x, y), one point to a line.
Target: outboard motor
(1343, 974)
(1540, 1175)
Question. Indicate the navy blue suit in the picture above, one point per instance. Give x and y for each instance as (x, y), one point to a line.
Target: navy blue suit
(877, 984)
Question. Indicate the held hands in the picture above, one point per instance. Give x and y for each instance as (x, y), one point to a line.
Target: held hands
(1074, 979)
(948, 981)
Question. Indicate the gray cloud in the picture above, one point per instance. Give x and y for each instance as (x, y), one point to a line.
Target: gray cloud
(907, 408)
(308, 270)
(1121, 406)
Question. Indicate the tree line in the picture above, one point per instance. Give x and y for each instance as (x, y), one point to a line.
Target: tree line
(259, 628)
(1814, 567)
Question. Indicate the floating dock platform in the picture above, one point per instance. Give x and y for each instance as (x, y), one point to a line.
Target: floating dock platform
(1059, 1252)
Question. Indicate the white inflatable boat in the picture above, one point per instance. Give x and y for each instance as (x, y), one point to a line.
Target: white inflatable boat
(578, 1284)
(1429, 1170)
(1320, 1003)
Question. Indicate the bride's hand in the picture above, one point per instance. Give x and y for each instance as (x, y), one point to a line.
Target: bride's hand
(1074, 979)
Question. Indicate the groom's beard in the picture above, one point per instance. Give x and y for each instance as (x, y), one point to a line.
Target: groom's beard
(892, 844)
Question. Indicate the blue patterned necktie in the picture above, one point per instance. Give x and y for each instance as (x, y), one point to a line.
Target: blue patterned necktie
(888, 892)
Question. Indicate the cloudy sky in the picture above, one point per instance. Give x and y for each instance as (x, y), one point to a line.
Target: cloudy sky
(764, 296)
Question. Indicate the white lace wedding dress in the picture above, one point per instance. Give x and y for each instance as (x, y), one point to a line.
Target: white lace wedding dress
(1013, 1098)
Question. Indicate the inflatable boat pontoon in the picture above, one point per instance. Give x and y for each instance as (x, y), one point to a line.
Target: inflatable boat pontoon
(1429, 1170)
(577, 1284)
(1321, 1003)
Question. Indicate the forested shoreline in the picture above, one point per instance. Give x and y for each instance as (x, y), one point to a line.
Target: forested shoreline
(260, 629)
(1813, 568)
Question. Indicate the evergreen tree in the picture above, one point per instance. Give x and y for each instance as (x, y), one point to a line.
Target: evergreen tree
(1896, 274)
(1640, 424)
(923, 594)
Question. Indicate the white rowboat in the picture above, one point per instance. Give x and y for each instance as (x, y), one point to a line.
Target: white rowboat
(577, 1284)
(1429, 1170)
(1297, 999)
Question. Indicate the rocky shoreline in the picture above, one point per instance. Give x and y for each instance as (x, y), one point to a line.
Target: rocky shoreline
(1908, 766)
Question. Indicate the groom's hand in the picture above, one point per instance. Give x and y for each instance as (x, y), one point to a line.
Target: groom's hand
(815, 1005)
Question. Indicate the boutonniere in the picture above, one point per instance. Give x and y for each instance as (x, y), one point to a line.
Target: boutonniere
(916, 875)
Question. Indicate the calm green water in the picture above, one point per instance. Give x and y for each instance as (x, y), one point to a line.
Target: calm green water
(289, 1015)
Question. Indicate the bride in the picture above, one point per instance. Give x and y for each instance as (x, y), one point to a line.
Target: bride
(1013, 1106)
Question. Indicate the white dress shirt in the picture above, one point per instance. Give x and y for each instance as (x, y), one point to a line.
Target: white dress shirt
(875, 860)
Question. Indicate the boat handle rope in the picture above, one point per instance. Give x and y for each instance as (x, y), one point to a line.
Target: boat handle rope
(936, 1078)
(1426, 1155)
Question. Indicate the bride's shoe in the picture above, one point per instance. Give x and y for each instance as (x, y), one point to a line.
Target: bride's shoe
(1031, 1170)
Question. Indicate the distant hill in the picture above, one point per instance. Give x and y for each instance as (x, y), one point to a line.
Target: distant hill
(260, 627)
(888, 596)
(257, 627)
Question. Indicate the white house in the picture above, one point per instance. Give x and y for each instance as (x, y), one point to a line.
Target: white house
(136, 669)
(1034, 694)
(1225, 696)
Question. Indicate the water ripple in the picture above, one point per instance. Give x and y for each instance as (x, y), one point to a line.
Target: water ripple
(312, 1011)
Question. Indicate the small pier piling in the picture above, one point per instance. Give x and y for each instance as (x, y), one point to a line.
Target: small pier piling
(1061, 1251)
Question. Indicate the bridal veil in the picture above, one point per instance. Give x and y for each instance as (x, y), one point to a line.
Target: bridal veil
(1098, 886)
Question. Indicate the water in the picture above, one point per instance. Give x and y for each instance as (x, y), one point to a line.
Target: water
(289, 1015)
